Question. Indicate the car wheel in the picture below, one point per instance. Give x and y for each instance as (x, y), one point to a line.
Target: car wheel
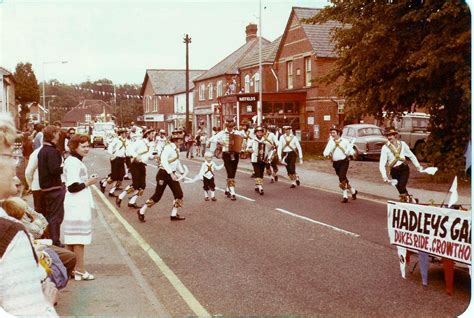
(356, 155)
(420, 151)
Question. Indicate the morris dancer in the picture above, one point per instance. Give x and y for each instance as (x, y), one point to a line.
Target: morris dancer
(160, 142)
(272, 165)
(230, 154)
(339, 149)
(206, 174)
(393, 155)
(166, 176)
(142, 151)
(291, 148)
(247, 138)
(117, 151)
(260, 148)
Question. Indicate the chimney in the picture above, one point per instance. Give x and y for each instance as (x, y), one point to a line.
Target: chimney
(250, 32)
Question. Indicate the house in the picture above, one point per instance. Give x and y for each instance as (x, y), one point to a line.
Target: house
(7, 94)
(164, 97)
(88, 112)
(222, 79)
(306, 52)
(38, 113)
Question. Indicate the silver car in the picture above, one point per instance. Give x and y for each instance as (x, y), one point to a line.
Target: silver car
(367, 140)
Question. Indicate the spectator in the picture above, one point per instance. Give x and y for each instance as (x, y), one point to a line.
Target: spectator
(78, 204)
(189, 146)
(198, 144)
(38, 139)
(27, 145)
(49, 176)
(62, 136)
(21, 292)
(70, 132)
(31, 176)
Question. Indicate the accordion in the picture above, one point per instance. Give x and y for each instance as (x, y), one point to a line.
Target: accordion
(261, 152)
(235, 143)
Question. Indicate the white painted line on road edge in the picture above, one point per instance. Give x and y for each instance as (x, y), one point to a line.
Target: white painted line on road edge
(237, 195)
(317, 222)
(187, 296)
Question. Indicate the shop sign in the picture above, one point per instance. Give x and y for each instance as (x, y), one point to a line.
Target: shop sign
(247, 98)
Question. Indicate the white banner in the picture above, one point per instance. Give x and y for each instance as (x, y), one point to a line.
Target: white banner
(437, 231)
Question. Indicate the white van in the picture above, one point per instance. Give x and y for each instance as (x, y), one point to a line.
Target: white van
(100, 132)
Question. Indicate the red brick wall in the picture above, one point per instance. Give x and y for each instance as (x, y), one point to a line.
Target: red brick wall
(269, 81)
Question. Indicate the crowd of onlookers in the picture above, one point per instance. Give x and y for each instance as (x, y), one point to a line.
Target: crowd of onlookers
(34, 263)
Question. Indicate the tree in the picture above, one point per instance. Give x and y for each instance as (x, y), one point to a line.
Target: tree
(397, 56)
(26, 89)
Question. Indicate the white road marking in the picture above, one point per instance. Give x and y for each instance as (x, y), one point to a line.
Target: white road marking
(187, 296)
(237, 195)
(317, 222)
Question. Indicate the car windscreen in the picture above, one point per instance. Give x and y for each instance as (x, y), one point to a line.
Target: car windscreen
(104, 127)
(370, 131)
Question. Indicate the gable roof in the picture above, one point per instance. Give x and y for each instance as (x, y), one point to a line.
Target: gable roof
(230, 64)
(88, 106)
(319, 35)
(268, 54)
(169, 82)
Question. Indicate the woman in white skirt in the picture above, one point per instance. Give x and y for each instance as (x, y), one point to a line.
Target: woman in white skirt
(78, 204)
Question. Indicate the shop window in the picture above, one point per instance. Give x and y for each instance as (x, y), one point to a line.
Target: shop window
(247, 83)
(278, 108)
(249, 108)
(267, 108)
(289, 108)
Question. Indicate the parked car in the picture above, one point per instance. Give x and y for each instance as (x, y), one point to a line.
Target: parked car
(413, 129)
(100, 133)
(367, 139)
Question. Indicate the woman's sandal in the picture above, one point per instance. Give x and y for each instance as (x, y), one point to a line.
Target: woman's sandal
(83, 276)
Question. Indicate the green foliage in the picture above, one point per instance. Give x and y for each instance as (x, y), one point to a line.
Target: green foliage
(397, 56)
(26, 88)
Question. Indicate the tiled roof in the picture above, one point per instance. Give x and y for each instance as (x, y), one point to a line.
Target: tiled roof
(169, 82)
(230, 64)
(318, 34)
(4, 71)
(269, 52)
(88, 106)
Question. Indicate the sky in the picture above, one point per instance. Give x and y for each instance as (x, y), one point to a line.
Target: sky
(121, 39)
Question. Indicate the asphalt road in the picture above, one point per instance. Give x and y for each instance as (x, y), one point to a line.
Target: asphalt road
(288, 252)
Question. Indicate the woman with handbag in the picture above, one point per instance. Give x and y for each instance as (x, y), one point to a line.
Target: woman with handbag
(78, 204)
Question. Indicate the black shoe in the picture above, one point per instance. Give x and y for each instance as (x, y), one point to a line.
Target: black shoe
(206, 199)
(292, 186)
(102, 188)
(272, 181)
(354, 196)
(177, 218)
(233, 198)
(256, 190)
(345, 200)
(261, 192)
(141, 217)
(276, 178)
(118, 201)
(213, 199)
(297, 182)
(227, 193)
(113, 195)
(134, 205)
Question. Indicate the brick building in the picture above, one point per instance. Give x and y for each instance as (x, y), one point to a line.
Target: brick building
(7, 94)
(164, 92)
(222, 79)
(87, 112)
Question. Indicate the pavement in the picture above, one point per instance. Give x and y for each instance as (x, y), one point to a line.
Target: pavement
(121, 287)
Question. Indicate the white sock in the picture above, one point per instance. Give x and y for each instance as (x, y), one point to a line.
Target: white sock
(232, 190)
(127, 187)
(174, 212)
(133, 199)
(227, 189)
(345, 194)
(143, 209)
(213, 194)
(122, 195)
(112, 190)
(353, 190)
(260, 187)
(206, 195)
(104, 182)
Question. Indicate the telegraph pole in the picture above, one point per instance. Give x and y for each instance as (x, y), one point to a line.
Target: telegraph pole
(187, 40)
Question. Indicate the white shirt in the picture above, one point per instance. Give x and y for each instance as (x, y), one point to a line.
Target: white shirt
(206, 166)
(160, 143)
(143, 149)
(333, 149)
(169, 158)
(118, 147)
(387, 156)
(254, 145)
(288, 144)
(223, 137)
(21, 293)
(31, 172)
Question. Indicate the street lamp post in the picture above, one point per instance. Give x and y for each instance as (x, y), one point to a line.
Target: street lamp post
(115, 100)
(187, 40)
(44, 78)
(260, 74)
